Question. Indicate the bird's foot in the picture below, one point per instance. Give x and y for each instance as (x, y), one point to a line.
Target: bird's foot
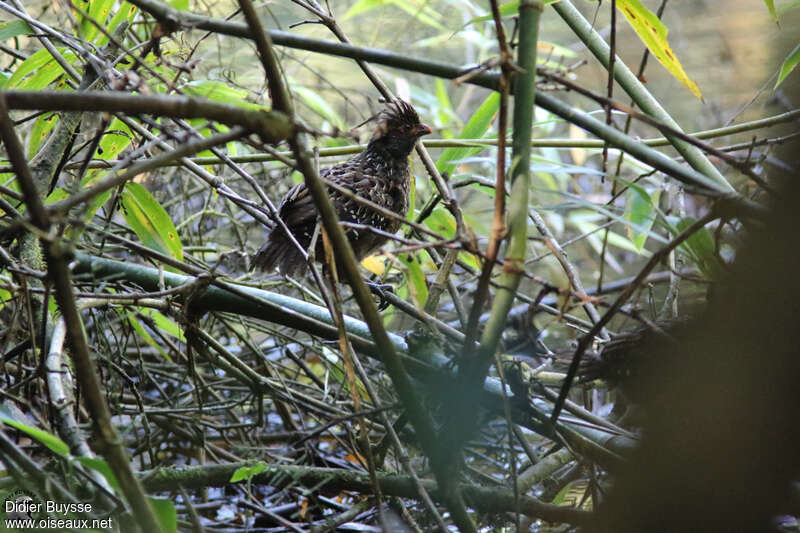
(380, 290)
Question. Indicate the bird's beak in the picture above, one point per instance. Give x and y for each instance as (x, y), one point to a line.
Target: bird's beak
(422, 129)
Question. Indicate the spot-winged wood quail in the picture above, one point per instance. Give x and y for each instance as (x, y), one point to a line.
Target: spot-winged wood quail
(379, 174)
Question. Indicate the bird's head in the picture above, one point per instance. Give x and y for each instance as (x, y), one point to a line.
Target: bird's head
(398, 129)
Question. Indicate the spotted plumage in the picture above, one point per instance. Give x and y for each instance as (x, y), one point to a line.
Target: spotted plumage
(378, 174)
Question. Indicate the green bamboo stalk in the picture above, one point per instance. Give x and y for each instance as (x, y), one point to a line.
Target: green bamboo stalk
(636, 89)
(472, 372)
(524, 99)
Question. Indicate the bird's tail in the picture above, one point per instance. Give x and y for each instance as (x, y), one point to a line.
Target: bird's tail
(279, 252)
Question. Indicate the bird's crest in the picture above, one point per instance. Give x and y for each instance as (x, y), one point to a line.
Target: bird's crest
(397, 113)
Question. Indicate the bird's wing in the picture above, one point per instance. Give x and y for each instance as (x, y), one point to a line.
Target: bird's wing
(297, 207)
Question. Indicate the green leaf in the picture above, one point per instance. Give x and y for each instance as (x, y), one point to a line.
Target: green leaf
(126, 12)
(506, 10)
(98, 12)
(320, 106)
(362, 6)
(248, 472)
(163, 323)
(573, 494)
(416, 8)
(14, 28)
(145, 335)
(42, 127)
(412, 199)
(215, 90)
(641, 209)
(416, 277)
(653, 34)
(5, 295)
(475, 128)
(55, 444)
(441, 221)
(164, 511)
(101, 466)
(115, 139)
(787, 7)
(150, 221)
(771, 8)
(43, 67)
(421, 11)
(445, 108)
(791, 61)
(700, 247)
(614, 239)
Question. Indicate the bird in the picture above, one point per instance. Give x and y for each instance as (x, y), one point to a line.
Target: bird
(625, 360)
(379, 174)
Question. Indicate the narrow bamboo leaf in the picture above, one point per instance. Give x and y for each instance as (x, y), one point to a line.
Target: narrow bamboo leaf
(445, 109)
(100, 466)
(39, 70)
(337, 371)
(215, 90)
(117, 137)
(126, 12)
(14, 28)
(43, 78)
(92, 206)
(506, 10)
(574, 495)
(412, 199)
(653, 34)
(165, 513)
(98, 12)
(420, 11)
(700, 247)
(791, 61)
(52, 442)
(614, 239)
(417, 283)
(595, 209)
(320, 106)
(475, 128)
(771, 8)
(150, 221)
(145, 336)
(641, 210)
(788, 7)
(362, 6)
(40, 130)
(163, 323)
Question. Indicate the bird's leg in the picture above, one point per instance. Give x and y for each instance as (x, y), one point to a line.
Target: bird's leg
(380, 290)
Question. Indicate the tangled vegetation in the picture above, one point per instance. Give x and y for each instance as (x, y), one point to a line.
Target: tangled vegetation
(149, 372)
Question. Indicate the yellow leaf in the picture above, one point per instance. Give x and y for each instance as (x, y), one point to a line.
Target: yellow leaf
(374, 265)
(653, 34)
(578, 154)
